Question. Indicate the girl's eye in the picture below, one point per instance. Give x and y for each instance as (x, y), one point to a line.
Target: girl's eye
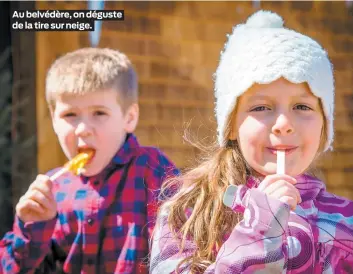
(99, 113)
(303, 107)
(260, 108)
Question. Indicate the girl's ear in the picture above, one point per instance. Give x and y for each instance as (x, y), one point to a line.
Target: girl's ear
(232, 126)
(232, 135)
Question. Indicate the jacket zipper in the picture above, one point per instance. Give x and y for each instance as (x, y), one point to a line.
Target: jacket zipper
(319, 256)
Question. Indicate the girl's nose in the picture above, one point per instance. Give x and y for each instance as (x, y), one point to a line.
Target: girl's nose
(283, 125)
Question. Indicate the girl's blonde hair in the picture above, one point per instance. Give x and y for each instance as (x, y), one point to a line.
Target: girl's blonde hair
(201, 189)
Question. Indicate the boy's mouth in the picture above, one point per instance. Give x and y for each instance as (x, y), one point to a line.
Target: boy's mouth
(87, 150)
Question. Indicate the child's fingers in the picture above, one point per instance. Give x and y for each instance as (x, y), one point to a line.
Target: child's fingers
(29, 205)
(292, 202)
(44, 189)
(270, 188)
(38, 203)
(282, 188)
(42, 181)
(43, 185)
(287, 190)
(270, 179)
(39, 198)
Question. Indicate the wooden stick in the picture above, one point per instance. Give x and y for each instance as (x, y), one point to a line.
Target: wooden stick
(57, 174)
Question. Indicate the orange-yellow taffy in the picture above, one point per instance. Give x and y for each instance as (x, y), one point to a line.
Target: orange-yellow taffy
(75, 165)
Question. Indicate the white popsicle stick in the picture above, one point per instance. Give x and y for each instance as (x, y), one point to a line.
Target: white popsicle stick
(281, 162)
(58, 174)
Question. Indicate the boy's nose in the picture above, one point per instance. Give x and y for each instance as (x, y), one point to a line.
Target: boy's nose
(83, 129)
(283, 125)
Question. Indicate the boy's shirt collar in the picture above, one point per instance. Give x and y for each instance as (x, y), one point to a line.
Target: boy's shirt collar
(126, 151)
(121, 158)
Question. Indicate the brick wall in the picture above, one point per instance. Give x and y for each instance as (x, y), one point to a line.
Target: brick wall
(175, 47)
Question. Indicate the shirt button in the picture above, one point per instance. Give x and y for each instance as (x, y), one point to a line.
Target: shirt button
(90, 261)
(90, 221)
(96, 183)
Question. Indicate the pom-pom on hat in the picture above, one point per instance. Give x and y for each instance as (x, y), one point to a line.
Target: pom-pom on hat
(262, 51)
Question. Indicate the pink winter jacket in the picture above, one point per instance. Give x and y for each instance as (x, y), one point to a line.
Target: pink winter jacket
(315, 238)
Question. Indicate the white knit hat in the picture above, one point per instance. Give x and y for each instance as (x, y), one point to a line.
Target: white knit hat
(262, 51)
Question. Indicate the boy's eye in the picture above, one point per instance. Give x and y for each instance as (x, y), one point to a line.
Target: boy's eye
(303, 107)
(260, 108)
(69, 114)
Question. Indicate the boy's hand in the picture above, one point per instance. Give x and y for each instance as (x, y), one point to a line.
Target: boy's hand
(283, 188)
(38, 204)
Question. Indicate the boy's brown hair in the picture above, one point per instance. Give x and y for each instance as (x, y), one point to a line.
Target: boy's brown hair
(90, 70)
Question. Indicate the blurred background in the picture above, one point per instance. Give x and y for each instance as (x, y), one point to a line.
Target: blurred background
(175, 48)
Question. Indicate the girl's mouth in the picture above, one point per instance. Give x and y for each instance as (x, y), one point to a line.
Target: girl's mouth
(288, 151)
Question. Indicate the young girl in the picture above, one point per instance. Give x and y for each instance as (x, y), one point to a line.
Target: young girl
(235, 213)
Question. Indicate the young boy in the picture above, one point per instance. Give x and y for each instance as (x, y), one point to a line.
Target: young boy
(100, 221)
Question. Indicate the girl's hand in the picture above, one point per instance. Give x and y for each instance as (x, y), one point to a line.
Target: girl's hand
(281, 187)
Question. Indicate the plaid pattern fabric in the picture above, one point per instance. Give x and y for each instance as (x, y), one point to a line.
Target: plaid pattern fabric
(103, 222)
(315, 238)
